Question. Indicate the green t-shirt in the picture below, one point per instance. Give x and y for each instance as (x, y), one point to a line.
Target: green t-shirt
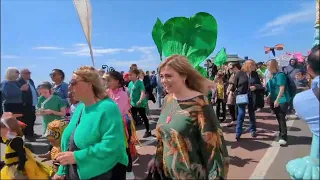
(135, 89)
(55, 104)
(273, 86)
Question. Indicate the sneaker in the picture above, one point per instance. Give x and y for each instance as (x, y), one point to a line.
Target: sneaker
(253, 134)
(147, 134)
(232, 123)
(238, 138)
(282, 142)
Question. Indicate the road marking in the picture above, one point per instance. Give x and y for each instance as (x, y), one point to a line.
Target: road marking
(268, 158)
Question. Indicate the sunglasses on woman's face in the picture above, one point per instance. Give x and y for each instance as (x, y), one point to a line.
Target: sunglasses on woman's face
(74, 82)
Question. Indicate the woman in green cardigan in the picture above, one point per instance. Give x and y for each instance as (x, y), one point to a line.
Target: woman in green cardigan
(93, 143)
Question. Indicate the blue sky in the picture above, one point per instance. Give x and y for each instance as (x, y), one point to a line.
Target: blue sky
(42, 35)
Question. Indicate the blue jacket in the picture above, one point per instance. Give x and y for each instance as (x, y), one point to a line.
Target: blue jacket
(62, 91)
(11, 92)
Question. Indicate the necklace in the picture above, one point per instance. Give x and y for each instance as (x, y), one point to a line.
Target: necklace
(173, 111)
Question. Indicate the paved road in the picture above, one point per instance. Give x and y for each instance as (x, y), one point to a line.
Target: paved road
(255, 158)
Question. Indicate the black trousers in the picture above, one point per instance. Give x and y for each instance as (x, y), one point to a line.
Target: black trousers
(281, 112)
(129, 167)
(222, 104)
(29, 118)
(142, 113)
(14, 108)
(233, 111)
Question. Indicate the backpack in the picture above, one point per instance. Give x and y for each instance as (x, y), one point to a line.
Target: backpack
(291, 86)
(154, 81)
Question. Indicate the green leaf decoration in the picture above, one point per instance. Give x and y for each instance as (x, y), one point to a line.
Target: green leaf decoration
(157, 33)
(193, 37)
(221, 57)
(202, 71)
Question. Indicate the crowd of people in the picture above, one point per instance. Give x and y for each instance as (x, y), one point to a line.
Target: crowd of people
(103, 108)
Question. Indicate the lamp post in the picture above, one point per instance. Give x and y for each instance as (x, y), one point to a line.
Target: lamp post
(317, 24)
(107, 68)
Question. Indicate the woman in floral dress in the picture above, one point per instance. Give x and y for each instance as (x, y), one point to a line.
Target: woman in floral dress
(190, 140)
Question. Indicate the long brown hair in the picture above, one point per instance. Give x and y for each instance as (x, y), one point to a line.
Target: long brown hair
(247, 65)
(181, 64)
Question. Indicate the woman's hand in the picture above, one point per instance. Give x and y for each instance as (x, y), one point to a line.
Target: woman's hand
(47, 112)
(24, 87)
(276, 103)
(65, 158)
(151, 165)
(9, 115)
(154, 165)
(57, 177)
(252, 88)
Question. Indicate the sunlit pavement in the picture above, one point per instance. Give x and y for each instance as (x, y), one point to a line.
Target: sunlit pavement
(255, 158)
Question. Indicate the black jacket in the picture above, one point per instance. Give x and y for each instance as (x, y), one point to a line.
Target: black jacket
(27, 95)
(242, 83)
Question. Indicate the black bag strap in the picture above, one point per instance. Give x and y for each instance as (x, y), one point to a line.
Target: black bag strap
(79, 119)
(316, 92)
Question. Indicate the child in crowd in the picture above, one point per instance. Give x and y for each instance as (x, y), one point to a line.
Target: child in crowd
(53, 134)
(219, 95)
(118, 93)
(50, 106)
(138, 99)
(301, 81)
(19, 162)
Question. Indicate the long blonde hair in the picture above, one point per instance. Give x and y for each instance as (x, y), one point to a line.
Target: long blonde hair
(91, 75)
(12, 74)
(194, 80)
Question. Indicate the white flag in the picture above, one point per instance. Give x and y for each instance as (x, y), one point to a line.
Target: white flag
(84, 11)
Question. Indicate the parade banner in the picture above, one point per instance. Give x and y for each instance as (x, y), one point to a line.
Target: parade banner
(84, 11)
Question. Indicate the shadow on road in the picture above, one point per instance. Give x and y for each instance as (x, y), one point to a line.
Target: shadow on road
(237, 161)
(152, 126)
(141, 166)
(250, 144)
(298, 140)
(37, 149)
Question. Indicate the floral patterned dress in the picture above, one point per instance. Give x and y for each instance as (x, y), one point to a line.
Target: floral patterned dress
(190, 140)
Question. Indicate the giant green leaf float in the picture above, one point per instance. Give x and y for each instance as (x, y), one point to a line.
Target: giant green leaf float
(221, 57)
(193, 37)
(157, 32)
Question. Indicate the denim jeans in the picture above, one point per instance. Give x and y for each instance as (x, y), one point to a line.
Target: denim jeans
(159, 97)
(241, 116)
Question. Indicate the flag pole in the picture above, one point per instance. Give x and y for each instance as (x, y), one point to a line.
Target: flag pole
(84, 12)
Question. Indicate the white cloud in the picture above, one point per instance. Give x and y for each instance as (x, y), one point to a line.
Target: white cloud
(9, 57)
(47, 48)
(149, 60)
(280, 24)
(81, 49)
